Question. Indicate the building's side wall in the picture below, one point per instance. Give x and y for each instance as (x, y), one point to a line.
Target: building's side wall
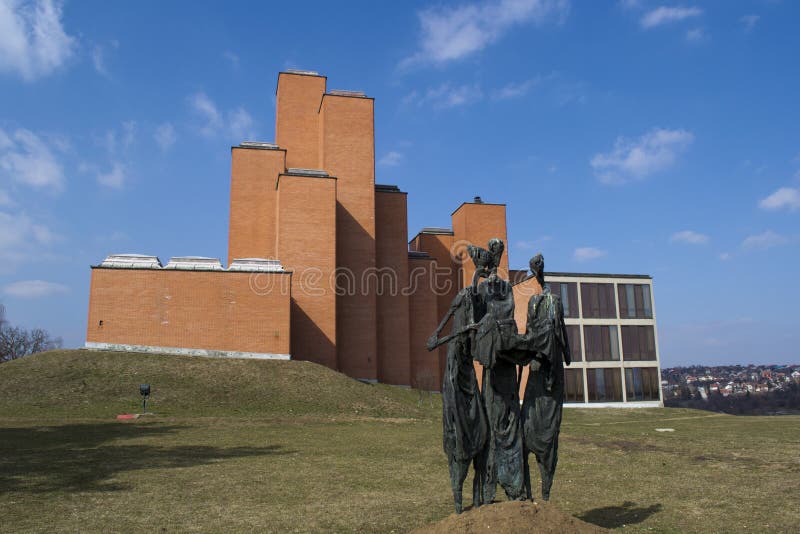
(425, 373)
(190, 309)
(391, 230)
(297, 118)
(306, 244)
(251, 231)
(446, 282)
(348, 152)
(476, 224)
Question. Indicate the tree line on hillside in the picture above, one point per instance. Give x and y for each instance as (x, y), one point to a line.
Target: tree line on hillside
(784, 401)
(16, 342)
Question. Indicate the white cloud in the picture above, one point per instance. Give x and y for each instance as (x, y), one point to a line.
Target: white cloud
(165, 136)
(232, 58)
(749, 22)
(697, 35)
(452, 33)
(533, 244)
(21, 238)
(206, 108)
(240, 124)
(237, 123)
(391, 159)
(784, 198)
(764, 240)
(725, 256)
(115, 142)
(665, 15)
(115, 178)
(588, 253)
(31, 289)
(5, 199)
(33, 42)
(630, 160)
(99, 57)
(515, 89)
(690, 237)
(27, 159)
(446, 96)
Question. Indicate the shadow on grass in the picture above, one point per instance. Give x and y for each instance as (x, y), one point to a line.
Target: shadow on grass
(618, 516)
(81, 457)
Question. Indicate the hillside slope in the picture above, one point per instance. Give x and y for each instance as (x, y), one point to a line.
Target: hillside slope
(81, 383)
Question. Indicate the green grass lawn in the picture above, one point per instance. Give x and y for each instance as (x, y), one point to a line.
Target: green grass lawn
(293, 447)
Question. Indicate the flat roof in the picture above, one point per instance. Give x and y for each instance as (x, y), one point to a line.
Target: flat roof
(388, 188)
(477, 204)
(258, 145)
(419, 254)
(584, 275)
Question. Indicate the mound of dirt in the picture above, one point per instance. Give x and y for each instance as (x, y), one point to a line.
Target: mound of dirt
(514, 517)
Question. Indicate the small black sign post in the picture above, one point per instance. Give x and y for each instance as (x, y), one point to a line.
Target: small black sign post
(144, 389)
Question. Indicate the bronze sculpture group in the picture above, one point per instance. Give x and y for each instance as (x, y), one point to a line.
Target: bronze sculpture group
(486, 426)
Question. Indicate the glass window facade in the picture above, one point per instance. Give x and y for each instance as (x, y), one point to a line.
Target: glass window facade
(604, 385)
(573, 385)
(642, 384)
(602, 343)
(639, 343)
(598, 301)
(634, 301)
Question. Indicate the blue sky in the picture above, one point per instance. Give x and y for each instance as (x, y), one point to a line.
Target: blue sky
(625, 137)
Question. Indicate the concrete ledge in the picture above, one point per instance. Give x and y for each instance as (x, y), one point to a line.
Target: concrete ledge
(632, 404)
(119, 347)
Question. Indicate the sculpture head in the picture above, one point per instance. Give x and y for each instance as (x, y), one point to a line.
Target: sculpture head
(496, 248)
(537, 268)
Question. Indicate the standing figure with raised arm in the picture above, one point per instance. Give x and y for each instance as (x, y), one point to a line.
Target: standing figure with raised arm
(464, 426)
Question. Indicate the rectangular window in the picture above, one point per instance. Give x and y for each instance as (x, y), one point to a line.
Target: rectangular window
(573, 385)
(642, 384)
(568, 291)
(602, 343)
(638, 343)
(598, 301)
(634, 301)
(574, 335)
(604, 385)
(631, 300)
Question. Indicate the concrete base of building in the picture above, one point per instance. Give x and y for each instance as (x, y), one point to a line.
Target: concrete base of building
(120, 347)
(634, 404)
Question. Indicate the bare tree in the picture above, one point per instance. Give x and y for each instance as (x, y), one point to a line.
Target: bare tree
(16, 342)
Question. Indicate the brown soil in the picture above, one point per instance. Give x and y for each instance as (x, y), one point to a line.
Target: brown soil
(513, 517)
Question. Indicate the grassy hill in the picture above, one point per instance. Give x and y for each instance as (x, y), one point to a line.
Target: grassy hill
(243, 446)
(82, 383)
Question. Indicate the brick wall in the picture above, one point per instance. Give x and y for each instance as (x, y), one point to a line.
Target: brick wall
(425, 372)
(477, 224)
(347, 151)
(251, 231)
(306, 244)
(447, 281)
(297, 118)
(190, 309)
(391, 257)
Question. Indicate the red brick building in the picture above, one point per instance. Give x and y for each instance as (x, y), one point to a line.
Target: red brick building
(319, 267)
